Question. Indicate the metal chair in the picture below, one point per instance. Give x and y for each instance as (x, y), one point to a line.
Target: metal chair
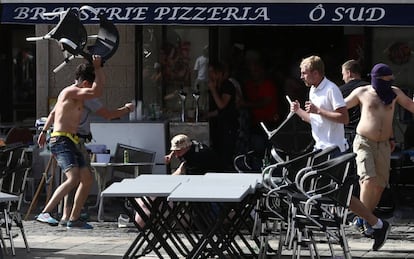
(280, 191)
(72, 36)
(13, 181)
(273, 209)
(327, 189)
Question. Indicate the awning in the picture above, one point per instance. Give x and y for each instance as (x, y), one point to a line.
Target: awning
(353, 13)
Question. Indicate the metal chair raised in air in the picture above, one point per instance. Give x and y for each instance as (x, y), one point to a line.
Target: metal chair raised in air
(72, 36)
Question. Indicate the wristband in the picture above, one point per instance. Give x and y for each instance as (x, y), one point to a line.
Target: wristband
(129, 110)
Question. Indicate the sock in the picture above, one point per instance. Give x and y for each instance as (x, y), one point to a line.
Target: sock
(378, 225)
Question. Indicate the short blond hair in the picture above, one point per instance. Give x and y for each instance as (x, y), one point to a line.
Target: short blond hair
(313, 63)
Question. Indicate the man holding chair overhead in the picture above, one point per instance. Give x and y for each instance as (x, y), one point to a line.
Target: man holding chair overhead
(63, 142)
(85, 136)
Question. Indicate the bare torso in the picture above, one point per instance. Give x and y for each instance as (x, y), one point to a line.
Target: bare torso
(67, 112)
(376, 118)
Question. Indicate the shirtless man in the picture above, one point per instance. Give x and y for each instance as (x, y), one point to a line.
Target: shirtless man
(63, 142)
(91, 106)
(374, 140)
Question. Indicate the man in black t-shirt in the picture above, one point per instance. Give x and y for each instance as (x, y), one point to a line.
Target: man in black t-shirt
(195, 158)
(351, 74)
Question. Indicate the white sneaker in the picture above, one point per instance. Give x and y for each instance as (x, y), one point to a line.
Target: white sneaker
(46, 218)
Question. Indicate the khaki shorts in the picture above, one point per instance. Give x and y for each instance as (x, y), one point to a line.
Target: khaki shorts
(373, 159)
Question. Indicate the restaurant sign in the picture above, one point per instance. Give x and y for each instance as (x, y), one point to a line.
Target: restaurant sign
(223, 13)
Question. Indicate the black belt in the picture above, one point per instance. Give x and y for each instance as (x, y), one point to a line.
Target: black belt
(87, 137)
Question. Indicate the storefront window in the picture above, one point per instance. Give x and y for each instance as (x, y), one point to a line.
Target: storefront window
(169, 81)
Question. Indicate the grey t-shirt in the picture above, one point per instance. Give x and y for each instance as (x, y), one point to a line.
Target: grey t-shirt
(90, 106)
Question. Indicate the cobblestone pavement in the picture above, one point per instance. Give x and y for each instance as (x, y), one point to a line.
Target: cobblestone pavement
(106, 241)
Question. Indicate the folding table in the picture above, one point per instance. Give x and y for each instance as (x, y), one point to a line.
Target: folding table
(102, 177)
(221, 204)
(157, 229)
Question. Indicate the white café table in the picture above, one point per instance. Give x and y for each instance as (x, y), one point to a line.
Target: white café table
(217, 187)
(146, 185)
(225, 192)
(209, 188)
(102, 177)
(159, 186)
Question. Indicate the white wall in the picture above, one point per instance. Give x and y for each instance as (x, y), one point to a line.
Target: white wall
(150, 136)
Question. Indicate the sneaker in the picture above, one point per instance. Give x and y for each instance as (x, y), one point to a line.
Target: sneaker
(369, 231)
(358, 223)
(362, 227)
(84, 216)
(78, 224)
(46, 218)
(64, 222)
(380, 235)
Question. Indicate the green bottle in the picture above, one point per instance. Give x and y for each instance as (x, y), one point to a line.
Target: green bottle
(126, 157)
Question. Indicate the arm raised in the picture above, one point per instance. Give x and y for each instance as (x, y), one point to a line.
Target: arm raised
(403, 99)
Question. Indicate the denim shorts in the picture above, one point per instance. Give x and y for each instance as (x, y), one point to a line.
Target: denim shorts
(66, 153)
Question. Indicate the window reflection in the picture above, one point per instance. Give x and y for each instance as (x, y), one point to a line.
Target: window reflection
(169, 55)
(24, 90)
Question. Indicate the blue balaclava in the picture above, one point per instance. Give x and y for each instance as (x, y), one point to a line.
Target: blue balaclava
(382, 87)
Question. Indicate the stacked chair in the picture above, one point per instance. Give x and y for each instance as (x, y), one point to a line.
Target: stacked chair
(305, 202)
(14, 169)
(327, 190)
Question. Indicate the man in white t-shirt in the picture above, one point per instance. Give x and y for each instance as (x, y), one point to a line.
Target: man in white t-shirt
(201, 75)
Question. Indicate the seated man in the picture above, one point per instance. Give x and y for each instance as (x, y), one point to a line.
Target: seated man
(195, 159)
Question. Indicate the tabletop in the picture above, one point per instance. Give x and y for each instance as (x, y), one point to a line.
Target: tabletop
(4, 197)
(145, 185)
(95, 164)
(210, 189)
(253, 179)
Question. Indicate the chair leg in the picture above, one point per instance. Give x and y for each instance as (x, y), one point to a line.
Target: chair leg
(3, 243)
(1, 252)
(264, 239)
(9, 234)
(344, 243)
(19, 223)
(331, 249)
(313, 249)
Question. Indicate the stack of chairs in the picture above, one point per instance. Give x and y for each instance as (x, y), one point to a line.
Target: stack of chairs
(273, 210)
(14, 169)
(327, 190)
(306, 195)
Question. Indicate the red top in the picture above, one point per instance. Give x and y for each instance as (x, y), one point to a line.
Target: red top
(255, 92)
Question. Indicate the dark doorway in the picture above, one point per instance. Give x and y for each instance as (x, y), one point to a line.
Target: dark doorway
(283, 47)
(17, 63)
